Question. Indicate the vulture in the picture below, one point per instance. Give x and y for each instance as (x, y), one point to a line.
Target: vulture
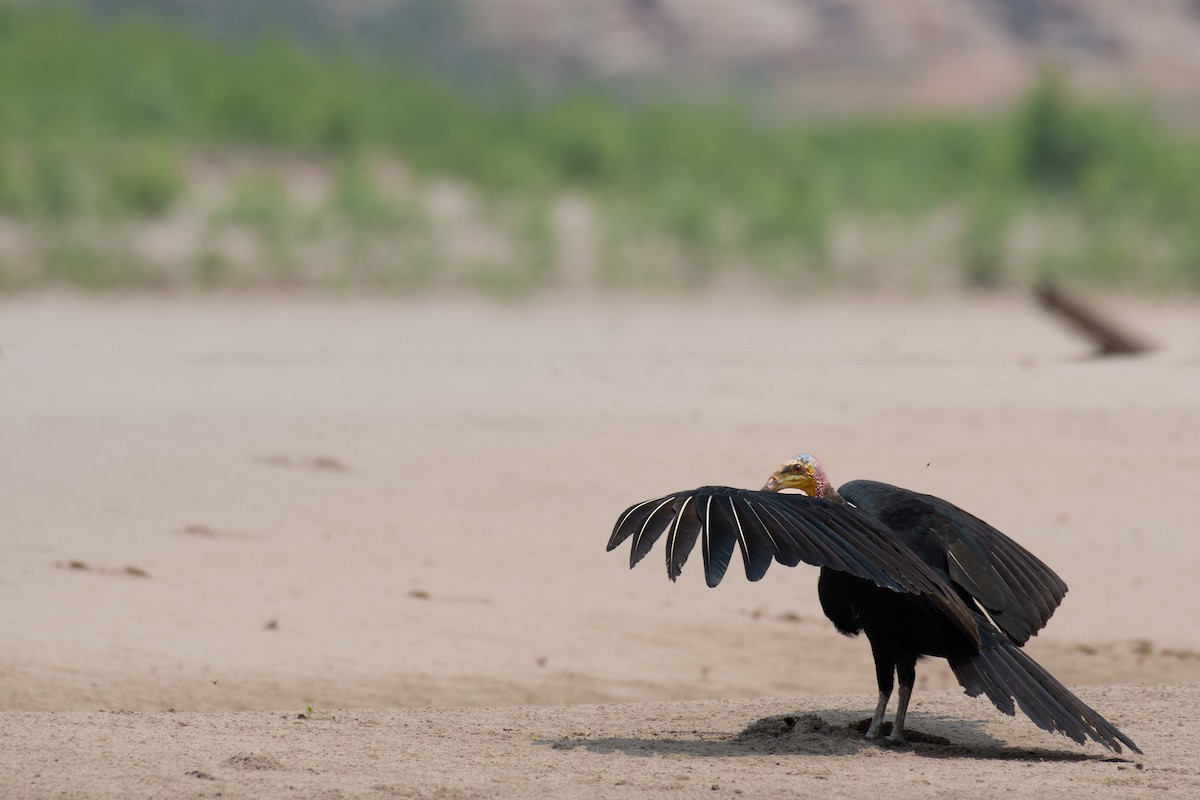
(918, 575)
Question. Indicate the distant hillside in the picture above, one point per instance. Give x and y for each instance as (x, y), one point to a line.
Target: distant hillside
(902, 53)
(836, 54)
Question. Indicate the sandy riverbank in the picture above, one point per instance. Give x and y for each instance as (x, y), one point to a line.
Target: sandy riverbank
(260, 505)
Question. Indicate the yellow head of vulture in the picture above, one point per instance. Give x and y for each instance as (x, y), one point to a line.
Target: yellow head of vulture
(803, 472)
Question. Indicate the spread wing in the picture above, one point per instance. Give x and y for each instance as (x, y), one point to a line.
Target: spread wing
(788, 528)
(1018, 590)
(1032, 590)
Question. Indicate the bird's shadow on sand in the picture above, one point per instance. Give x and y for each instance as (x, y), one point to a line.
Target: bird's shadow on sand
(830, 733)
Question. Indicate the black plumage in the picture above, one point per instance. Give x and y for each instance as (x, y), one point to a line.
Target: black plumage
(918, 575)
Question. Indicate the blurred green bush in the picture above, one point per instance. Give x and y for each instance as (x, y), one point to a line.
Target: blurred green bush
(95, 118)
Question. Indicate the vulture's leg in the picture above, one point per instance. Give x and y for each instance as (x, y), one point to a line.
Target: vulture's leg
(884, 671)
(906, 673)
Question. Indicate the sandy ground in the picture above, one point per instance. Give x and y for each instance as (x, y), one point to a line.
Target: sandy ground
(793, 747)
(258, 505)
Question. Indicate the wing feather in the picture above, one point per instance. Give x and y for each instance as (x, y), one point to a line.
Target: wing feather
(783, 548)
(629, 521)
(719, 542)
(818, 544)
(649, 531)
(757, 554)
(684, 531)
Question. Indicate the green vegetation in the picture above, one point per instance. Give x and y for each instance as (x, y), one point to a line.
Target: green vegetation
(107, 129)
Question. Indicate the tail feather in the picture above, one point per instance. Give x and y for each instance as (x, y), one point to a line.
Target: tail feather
(1004, 672)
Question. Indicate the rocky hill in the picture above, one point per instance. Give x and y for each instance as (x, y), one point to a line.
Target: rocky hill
(834, 54)
(902, 53)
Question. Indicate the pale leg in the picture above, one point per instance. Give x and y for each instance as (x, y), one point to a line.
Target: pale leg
(877, 720)
(901, 710)
(906, 674)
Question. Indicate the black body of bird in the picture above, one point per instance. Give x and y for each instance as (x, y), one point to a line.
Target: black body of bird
(918, 575)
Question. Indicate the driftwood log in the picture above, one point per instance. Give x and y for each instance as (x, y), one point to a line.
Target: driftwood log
(1109, 338)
